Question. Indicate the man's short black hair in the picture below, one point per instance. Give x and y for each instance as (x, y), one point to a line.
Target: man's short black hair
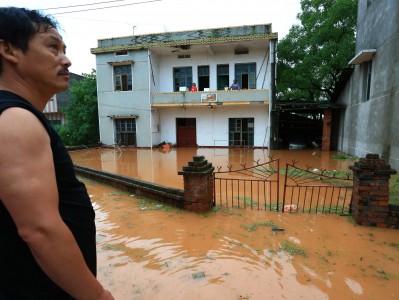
(19, 25)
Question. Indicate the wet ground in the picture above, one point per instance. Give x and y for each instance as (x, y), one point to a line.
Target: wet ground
(147, 250)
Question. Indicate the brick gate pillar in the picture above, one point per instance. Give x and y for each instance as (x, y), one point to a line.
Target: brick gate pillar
(370, 197)
(198, 184)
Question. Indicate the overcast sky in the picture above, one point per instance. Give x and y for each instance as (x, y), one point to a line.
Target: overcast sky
(87, 23)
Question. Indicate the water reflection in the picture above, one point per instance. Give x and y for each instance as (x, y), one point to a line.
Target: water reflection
(162, 167)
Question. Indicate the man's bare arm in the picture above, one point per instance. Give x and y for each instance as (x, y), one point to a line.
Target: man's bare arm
(29, 192)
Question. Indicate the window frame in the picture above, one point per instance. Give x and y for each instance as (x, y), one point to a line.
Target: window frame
(123, 135)
(182, 79)
(125, 82)
(244, 129)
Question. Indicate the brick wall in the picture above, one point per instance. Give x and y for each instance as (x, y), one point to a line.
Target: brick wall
(370, 200)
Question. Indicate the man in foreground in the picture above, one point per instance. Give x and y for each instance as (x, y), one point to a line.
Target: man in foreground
(46, 218)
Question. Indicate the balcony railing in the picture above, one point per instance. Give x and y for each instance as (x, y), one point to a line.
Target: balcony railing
(204, 98)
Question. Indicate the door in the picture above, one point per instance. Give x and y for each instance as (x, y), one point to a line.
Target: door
(186, 132)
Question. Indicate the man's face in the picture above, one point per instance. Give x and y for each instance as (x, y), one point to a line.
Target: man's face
(44, 65)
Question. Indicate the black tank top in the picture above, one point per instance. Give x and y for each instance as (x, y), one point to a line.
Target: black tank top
(20, 275)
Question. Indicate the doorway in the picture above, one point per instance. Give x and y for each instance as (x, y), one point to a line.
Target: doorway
(186, 132)
(244, 81)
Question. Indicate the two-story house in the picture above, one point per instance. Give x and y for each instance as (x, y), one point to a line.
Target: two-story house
(144, 87)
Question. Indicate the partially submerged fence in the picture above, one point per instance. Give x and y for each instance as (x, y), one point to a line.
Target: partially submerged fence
(293, 189)
(253, 187)
(316, 190)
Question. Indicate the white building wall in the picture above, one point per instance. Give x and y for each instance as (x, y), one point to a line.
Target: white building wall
(212, 124)
(167, 63)
(154, 86)
(124, 103)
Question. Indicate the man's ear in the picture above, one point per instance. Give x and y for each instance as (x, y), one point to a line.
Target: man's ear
(8, 51)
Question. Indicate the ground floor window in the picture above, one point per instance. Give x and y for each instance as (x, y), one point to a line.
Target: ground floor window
(125, 132)
(241, 131)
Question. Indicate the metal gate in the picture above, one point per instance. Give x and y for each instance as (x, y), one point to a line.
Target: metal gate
(316, 190)
(254, 187)
(293, 189)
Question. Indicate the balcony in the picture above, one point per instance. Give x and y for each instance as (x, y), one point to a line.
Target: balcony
(252, 96)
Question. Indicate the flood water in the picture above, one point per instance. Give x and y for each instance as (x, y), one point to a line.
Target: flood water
(147, 250)
(162, 166)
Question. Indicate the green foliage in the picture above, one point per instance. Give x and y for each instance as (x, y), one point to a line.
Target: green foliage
(254, 227)
(82, 113)
(312, 56)
(149, 204)
(292, 249)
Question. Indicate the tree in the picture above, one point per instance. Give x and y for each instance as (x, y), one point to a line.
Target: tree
(312, 56)
(82, 127)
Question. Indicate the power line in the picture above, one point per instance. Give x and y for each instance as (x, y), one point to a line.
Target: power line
(90, 9)
(72, 6)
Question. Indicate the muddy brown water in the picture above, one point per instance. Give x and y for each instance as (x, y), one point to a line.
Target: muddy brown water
(162, 167)
(147, 250)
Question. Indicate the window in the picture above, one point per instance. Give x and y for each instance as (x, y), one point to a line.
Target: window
(222, 76)
(121, 53)
(239, 51)
(203, 77)
(182, 77)
(125, 132)
(123, 78)
(241, 131)
(246, 75)
(367, 79)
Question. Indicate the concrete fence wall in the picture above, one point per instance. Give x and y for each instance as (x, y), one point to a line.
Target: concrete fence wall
(197, 195)
(158, 192)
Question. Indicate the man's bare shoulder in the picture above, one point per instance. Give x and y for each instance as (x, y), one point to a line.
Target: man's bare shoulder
(19, 126)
